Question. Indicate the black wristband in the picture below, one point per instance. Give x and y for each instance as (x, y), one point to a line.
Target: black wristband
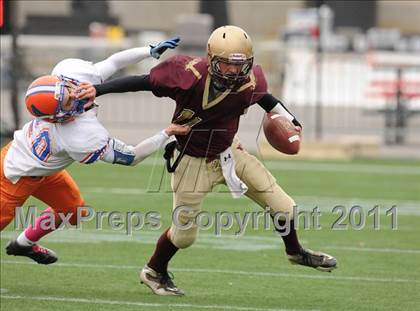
(268, 102)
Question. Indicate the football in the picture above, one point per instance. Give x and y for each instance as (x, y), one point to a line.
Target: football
(281, 133)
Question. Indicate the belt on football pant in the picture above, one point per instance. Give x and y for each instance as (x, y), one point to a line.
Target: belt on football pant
(167, 155)
(169, 152)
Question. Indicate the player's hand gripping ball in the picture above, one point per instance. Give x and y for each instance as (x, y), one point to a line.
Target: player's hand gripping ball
(281, 133)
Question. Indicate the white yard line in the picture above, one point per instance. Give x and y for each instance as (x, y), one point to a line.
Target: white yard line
(234, 272)
(373, 250)
(205, 241)
(141, 304)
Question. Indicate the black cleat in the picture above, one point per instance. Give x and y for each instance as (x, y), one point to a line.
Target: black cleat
(36, 252)
(316, 260)
(160, 283)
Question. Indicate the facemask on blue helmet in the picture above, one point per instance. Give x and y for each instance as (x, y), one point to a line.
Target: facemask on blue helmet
(77, 105)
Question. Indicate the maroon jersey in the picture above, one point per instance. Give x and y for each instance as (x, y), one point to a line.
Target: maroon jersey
(214, 116)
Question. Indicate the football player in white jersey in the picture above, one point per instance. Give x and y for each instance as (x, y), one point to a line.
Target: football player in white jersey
(64, 130)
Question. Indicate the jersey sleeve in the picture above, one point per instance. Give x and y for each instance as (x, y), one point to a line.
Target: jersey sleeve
(88, 157)
(119, 60)
(85, 140)
(171, 77)
(260, 84)
(78, 69)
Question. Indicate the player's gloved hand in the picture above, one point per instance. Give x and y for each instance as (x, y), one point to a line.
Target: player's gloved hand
(86, 91)
(157, 50)
(177, 129)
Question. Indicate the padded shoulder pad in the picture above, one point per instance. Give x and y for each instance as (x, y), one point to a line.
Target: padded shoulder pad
(260, 83)
(83, 135)
(177, 73)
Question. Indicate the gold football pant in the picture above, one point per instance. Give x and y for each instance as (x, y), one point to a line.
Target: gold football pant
(195, 177)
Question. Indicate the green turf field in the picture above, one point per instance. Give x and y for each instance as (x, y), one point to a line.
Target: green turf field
(98, 269)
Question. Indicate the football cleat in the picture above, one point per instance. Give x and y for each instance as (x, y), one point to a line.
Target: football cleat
(316, 260)
(36, 252)
(160, 283)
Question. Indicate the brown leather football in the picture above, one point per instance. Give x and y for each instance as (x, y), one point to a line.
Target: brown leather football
(281, 133)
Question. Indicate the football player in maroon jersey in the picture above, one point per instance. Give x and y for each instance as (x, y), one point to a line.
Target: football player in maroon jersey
(211, 94)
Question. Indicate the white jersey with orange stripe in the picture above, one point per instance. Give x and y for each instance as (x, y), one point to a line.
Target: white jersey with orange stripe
(43, 148)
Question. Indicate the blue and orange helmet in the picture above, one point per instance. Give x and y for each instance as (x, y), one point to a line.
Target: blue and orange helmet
(45, 97)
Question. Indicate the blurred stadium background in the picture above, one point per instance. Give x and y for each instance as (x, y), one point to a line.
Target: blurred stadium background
(350, 70)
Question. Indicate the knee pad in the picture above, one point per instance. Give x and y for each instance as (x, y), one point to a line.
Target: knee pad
(279, 201)
(183, 238)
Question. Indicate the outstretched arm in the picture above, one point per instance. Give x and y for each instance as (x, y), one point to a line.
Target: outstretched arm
(117, 61)
(117, 152)
(271, 104)
(123, 85)
(119, 85)
(124, 58)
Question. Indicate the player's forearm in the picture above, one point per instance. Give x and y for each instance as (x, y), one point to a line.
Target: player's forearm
(120, 60)
(271, 104)
(123, 85)
(118, 152)
(149, 146)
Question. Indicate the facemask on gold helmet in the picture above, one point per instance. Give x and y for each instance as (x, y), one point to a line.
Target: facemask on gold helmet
(230, 46)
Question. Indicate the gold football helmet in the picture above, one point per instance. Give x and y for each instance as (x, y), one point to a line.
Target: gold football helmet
(230, 45)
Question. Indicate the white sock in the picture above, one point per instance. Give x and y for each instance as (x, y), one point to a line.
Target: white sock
(23, 240)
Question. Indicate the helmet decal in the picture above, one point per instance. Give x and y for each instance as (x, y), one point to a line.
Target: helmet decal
(37, 112)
